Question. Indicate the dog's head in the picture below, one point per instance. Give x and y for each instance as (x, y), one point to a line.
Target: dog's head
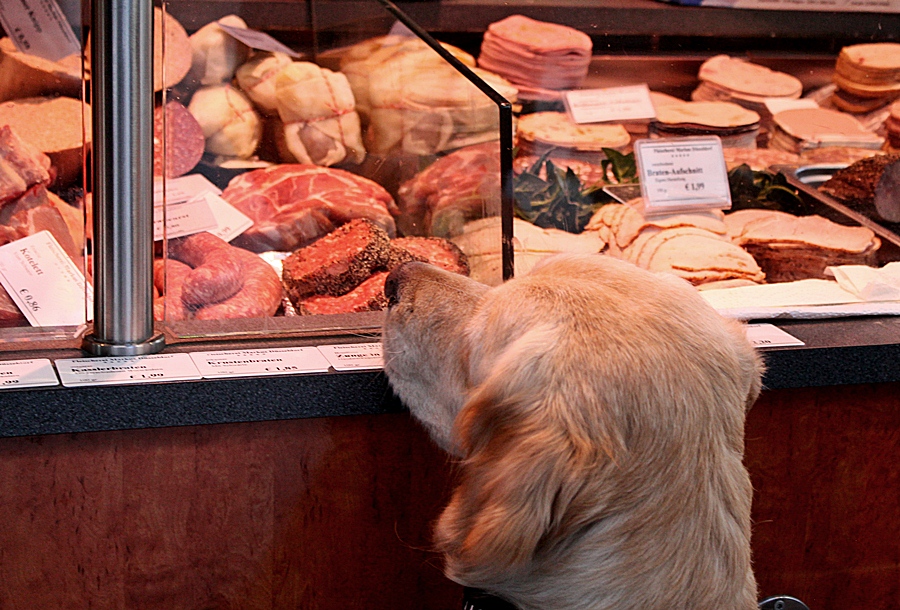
(598, 410)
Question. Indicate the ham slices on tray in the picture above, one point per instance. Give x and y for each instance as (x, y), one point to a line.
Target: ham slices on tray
(293, 205)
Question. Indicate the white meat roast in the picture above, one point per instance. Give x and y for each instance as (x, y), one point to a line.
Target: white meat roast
(293, 205)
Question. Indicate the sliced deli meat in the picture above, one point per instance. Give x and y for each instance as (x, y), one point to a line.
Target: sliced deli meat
(536, 54)
(295, 204)
(789, 247)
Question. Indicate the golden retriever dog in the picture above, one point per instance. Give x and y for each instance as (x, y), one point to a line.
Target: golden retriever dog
(597, 411)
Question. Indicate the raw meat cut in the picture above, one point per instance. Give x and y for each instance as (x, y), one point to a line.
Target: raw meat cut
(438, 251)
(457, 188)
(293, 205)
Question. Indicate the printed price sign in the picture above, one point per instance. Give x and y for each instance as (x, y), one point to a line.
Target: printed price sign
(769, 335)
(610, 104)
(43, 281)
(27, 373)
(116, 370)
(679, 174)
(354, 356)
(255, 362)
(39, 27)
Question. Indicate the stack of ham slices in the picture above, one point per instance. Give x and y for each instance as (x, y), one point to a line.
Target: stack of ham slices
(536, 55)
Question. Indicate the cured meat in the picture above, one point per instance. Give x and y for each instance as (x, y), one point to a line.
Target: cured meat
(217, 272)
(435, 250)
(225, 282)
(857, 185)
(293, 205)
(368, 296)
(259, 296)
(337, 263)
(535, 53)
(184, 140)
(791, 247)
(40, 210)
(168, 279)
(21, 165)
(457, 188)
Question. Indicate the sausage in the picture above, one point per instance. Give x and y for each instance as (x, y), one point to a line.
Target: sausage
(217, 272)
(259, 297)
(168, 279)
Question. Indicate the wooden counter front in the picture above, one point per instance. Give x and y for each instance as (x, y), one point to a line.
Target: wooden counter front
(335, 513)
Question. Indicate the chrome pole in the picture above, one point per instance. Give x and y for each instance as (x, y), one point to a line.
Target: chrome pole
(122, 107)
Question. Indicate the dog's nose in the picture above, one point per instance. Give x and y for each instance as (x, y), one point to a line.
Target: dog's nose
(395, 279)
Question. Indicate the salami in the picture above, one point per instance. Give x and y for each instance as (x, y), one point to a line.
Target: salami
(183, 140)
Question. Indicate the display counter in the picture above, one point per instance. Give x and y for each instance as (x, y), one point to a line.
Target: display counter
(319, 490)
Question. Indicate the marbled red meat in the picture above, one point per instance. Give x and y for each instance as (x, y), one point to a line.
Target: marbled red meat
(293, 205)
(457, 188)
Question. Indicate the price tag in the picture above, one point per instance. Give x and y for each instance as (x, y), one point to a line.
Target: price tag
(769, 335)
(27, 373)
(256, 362)
(183, 219)
(680, 174)
(354, 356)
(39, 27)
(120, 370)
(230, 221)
(45, 284)
(257, 40)
(182, 189)
(610, 104)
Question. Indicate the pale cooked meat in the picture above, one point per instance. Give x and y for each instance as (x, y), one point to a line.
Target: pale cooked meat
(766, 226)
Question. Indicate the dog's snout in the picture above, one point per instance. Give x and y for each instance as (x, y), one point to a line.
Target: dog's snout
(395, 280)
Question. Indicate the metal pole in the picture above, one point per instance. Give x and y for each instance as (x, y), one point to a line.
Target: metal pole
(122, 106)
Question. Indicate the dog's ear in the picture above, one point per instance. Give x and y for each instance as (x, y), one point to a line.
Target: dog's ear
(524, 463)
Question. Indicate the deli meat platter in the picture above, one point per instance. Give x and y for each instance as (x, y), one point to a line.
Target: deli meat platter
(807, 180)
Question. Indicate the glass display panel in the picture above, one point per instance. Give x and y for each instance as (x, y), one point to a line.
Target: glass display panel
(44, 141)
(301, 166)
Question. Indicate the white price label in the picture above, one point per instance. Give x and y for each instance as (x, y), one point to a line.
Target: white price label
(44, 282)
(610, 104)
(27, 373)
(172, 191)
(769, 335)
(230, 221)
(258, 362)
(118, 370)
(39, 27)
(354, 356)
(183, 219)
(679, 174)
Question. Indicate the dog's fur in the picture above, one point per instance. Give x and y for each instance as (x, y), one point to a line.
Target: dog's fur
(598, 411)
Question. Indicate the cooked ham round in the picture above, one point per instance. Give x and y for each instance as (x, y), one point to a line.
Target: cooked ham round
(295, 204)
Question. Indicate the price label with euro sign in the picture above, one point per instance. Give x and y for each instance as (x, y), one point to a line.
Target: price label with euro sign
(682, 174)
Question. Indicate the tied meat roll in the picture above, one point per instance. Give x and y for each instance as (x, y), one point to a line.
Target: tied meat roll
(316, 105)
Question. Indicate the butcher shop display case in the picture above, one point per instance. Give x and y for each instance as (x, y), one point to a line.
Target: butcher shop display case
(288, 178)
(301, 150)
